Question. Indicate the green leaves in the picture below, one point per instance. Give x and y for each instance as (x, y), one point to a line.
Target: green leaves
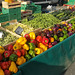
(41, 21)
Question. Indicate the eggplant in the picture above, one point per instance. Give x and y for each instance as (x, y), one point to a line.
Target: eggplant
(54, 43)
(46, 31)
(70, 24)
(70, 33)
(48, 35)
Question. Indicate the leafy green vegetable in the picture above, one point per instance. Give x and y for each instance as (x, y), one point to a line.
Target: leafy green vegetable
(41, 21)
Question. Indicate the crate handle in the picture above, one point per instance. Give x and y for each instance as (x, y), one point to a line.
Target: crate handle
(5, 9)
(14, 14)
(14, 8)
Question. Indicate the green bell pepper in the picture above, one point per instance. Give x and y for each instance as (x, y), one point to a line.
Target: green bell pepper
(32, 53)
(13, 57)
(31, 46)
(28, 57)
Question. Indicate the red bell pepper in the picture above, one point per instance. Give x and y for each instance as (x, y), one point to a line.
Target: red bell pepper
(27, 36)
(7, 54)
(1, 57)
(39, 38)
(23, 52)
(49, 46)
(45, 40)
(17, 52)
(33, 41)
(7, 72)
(5, 65)
(10, 48)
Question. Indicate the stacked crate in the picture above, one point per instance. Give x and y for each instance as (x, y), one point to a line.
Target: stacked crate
(38, 9)
(24, 5)
(69, 2)
(32, 6)
(12, 9)
(4, 17)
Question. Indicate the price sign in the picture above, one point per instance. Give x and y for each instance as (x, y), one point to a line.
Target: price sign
(30, 18)
(19, 30)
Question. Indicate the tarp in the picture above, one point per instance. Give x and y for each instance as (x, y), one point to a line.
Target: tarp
(53, 61)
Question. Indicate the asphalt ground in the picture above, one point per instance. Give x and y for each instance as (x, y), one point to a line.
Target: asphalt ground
(70, 70)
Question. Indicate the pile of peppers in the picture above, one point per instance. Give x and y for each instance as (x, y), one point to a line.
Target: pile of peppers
(30, 45)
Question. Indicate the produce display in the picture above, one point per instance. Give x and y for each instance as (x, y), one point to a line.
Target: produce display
(41, 21)
(7, 38)
(72, 22)
(25, 28)
(31, 45)
(64, 14)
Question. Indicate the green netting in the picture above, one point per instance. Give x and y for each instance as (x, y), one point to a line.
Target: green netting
(53, 61)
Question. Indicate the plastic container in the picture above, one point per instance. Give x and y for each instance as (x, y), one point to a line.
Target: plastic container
(11, 11)
(4, 18)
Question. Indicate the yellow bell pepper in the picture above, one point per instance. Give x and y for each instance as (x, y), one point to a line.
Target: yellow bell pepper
(16, 46)
(41, 51)
(32, 35)
(1, 50)
(13, 67)
(26, 47)
(50, 29)
(38, 50)
(21, 41)
(40, 45)
(1, 72)
(20, 60)
(63, 22)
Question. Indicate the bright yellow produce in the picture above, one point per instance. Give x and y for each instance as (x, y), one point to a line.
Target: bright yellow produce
(1, 72)
(13, 67)
(2, 50)
(16, 46)
(21, 41)
(26, 47)
(20, 60)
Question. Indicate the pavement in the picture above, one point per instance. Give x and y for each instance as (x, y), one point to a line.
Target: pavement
(70, 70)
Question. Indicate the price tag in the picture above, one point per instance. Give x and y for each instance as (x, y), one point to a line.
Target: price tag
(30, 18)
(19, 30)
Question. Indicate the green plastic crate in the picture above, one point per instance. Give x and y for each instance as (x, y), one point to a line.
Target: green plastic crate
(18, 16)
(19, 10)
(54, 61)
(24, 5)
(11, 11)
(70, 2)
(23, 8)
(12, 16)
(4, 18)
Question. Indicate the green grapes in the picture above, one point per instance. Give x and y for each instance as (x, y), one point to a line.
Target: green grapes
(7, 38)
(26, 29)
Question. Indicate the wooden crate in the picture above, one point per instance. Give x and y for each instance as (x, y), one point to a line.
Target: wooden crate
(13, 22)
(26, 13)
(25, 2)
(11, 5)
(10, 22)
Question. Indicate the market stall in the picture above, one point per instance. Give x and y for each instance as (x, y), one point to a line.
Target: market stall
(41, 44)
